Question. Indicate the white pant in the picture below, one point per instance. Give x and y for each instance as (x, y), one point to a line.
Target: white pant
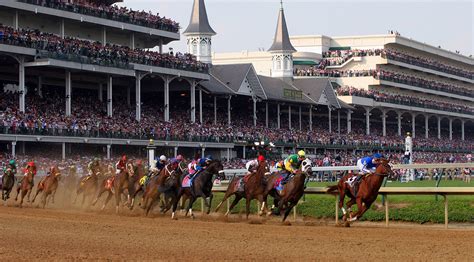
(363, 169)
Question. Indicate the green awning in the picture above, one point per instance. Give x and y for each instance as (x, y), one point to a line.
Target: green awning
(340, 48)
(306, 62)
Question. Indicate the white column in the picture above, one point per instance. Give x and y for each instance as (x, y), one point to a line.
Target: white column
(138, 97)
(439, 127)
(330, 119)
(367, 121)
(289, 117)
(23, 147)
(64, 151)
(384, 122)
(349, 121)
(278, 116)
(132, 41)
(228, 154)
(200, 105)
(450, 129)
(301, 125)
(160, 46)
(166, 94)
(266, 114)
(68, 93)
(463, 122)
(128, 96)
(193, 101)
(229, 113)
(14, 149)
(399, 119)
(100, 93)
(109, 96)
(61, 29)
(254, 112)
(40, 86)
(215, 110)
(21, 82)
(109, 154)
(413, 125)
(15, 20)
(427, 130)
(311, 118)
(104, 36)
(243, 152)
(339, 121)
(175, 151)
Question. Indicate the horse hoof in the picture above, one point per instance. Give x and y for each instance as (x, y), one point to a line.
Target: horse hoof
(286, 223)
(347, 224)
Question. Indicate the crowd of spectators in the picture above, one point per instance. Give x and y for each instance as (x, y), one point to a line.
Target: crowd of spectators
(313, 71)
(112, 12)
(84, 51)
(339, 57)
(46, 116)
(380, 96)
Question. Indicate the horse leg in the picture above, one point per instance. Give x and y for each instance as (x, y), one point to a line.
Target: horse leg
(44, 197)
(288, 210)
(209, 203)
(118, 198)
(247, 207)
(263, 208)
(109, 196)
(175, 204)
(226, 196)
(18, 188)
(190, 206)
(98, 196)
(38, 190)
(23, 194)
(361, 209)
(29, 194)
(234, 203)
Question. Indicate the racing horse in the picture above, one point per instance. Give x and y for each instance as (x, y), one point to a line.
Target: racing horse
(200, 187)
(135, 184)
(116, 186)
(368, 191)
(167, 179)
(26, 185)
(87, 185)
(293, 190)
(254, 188)
(48, 185)
(7, 183)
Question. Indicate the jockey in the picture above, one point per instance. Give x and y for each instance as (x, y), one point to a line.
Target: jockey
(200, 165)
(367, 166)
(93, 165)
(161, 162)
(121, 164)
(179, 158)
(11, 167)
(252, 165)
(30, 167)
(292, 164)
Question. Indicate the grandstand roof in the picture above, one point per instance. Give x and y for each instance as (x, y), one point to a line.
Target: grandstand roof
(281, 41)
(199, 23)
(275, 89)
(319, 90)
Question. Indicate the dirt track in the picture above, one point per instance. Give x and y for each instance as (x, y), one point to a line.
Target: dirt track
(34, 233)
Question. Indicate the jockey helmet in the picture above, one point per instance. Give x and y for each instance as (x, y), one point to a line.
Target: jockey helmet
(174, 161)
(179, 158)
(261, 158)
(124, 157)
(378, 156)
(163, 158)
(12, 162)
(31, 164)
(301, 154)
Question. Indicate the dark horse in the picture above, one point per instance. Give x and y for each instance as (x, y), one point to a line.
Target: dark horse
(87, 185)
(116, 185)
(48, 185)
(292, 191)
(136, 187)
(8, 181)
(201, 187)
(368, 191)
(166, 180)
(254, 188)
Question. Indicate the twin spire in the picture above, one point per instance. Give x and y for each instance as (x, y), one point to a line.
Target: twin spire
(281, 42)
(199, 23)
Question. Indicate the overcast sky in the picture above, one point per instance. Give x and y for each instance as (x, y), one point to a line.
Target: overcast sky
(250, 25)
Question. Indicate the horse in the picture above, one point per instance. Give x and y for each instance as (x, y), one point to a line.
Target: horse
(116, 185)
(201, 187)
(292, 192)
(167, 179)
(368, 191)
(26, 186)
(88, 185)
(136, 187)
(8, 181)
(48, 185)
(254, 188)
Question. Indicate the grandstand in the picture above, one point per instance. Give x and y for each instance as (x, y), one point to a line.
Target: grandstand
(82, 75)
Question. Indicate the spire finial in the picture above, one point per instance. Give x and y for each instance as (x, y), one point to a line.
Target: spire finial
(281, 4)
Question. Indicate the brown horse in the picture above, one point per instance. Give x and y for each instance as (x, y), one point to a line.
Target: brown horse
(48, 185)
(201, 187)
(116, 185)
(26, 185)
(136, 187)
(254, 188)
(87, 185)
(368, 191)
(167, 179)
(7, 183)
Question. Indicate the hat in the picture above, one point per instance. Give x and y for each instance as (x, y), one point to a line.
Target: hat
(261, 158)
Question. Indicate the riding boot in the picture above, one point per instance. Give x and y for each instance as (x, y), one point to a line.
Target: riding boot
(285, 180)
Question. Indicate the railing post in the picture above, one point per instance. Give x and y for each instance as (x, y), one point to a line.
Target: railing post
(446, 216)
(337, 209)
(386, 210)
(228, 205)
(438, 181)
(294, 213)
(202, 205)
(384, 183)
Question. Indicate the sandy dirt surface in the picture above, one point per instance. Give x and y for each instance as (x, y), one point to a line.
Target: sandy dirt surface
(56, 234)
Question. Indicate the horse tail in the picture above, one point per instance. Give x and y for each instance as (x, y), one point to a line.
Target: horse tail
(332, 189)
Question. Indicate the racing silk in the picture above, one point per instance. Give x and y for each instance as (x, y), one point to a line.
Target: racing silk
(121, 165)
(160, 165)
(290, 166)
(192, 167)
(366, 165)
(201, 164)
(251, 165)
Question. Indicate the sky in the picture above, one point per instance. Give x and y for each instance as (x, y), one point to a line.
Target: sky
(250, 25)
